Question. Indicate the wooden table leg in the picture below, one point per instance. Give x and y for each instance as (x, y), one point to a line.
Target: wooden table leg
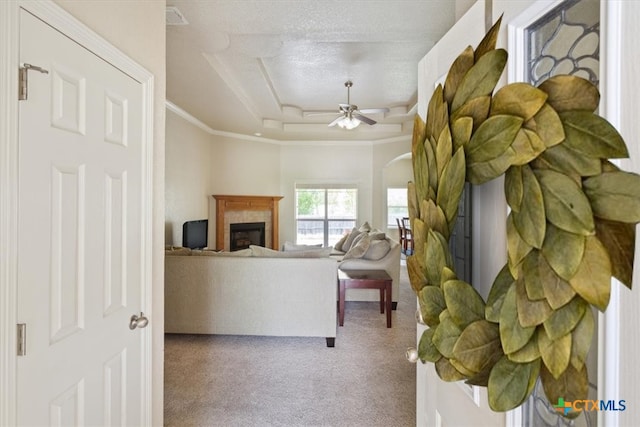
(388, 301)
(341, 297)
(381, 300)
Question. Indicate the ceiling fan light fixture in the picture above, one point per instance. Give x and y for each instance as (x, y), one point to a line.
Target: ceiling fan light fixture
(349, 123)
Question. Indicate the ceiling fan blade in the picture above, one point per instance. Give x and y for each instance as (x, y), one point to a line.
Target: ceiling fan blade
(364, 119)
(335, 122)
(320, 113)
(374, 110)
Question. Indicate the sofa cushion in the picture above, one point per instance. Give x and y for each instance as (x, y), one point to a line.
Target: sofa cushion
(239, 253)
(177, 250)
(289, 246)
(259, 251)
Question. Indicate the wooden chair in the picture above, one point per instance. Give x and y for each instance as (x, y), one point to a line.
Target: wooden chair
(401, 234)
(408, 237)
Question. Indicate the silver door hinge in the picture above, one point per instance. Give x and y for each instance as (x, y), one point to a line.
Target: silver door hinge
(23, 81)
(21, 338)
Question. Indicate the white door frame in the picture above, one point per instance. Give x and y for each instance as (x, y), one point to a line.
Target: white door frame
(55, 16)
(610, 65)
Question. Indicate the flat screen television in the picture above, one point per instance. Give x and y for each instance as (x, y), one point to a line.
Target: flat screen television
(194, 234)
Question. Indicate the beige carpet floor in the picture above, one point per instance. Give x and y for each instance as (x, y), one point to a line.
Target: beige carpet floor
(365, 380)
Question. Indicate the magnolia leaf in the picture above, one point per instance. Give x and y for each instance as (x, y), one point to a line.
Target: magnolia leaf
(517, 248)
(477, 109)
(520, 99)
(419, 234)
(461, 368)
(571, 93)
(565, 319)
(435, 257)
(592, 281)
(441, 120)
(432, 168)
(461, 130)
(527, 146)
(445, 336)
(451, 185)
(533, 283)
(427, 351)
(434, 218)
(512, 334)
(530, 220)
(412, 200)
(479, 173)
(614, 196)
(492, 138)
(434, 107)
(563, 158)
(619, 239)
(488, 42)
(607, 166)
(555, 353)
(444, 150)
(592, 135)
(456, 73)
(419, 133)
(447, 372)
(563, 251)
(547, 124)
(565, 204)
(509, 383)
(432, 303)
(501, 285)
(557, 291)
(464, 303)
(479, 342)
(529, 352)
(581, 339)
(571, 386)
(448, 274)
(421, 172)
(530, 313)
(481, 79)
(416, 275)
(514, 187)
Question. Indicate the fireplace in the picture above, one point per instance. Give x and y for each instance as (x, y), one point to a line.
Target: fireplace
(245, 209)
(244, 234)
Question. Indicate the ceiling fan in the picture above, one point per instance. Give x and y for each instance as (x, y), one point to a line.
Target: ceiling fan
(350, 117)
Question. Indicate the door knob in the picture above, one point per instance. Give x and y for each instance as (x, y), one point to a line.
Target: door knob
(138, 321)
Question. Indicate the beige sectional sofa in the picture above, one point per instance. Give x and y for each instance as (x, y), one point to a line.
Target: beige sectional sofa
(251, 295)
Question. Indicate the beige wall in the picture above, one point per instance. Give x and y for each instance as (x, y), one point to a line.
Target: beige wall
(137, 28)
(188, 176)
(200, 163)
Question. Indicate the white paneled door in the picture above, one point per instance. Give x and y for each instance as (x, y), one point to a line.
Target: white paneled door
(80, 236)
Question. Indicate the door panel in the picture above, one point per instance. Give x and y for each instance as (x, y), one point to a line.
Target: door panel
(80, 240)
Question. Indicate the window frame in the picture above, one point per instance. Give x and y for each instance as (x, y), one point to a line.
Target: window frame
(326, 220)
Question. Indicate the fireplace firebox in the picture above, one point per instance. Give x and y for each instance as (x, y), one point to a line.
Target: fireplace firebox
(244, 234)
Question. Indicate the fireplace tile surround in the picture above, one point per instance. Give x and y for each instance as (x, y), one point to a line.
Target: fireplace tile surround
(245, 209)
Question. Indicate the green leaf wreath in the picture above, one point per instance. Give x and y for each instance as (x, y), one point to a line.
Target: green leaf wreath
(570, 229)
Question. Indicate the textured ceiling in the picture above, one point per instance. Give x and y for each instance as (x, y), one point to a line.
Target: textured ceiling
(269, 67)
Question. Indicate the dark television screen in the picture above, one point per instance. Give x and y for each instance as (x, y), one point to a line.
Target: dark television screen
(194, 234)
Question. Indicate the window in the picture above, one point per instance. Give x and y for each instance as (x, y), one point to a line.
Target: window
(397, 205)
(324, 213)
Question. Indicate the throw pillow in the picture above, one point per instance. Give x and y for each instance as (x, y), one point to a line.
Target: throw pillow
(365, 227)
(378, 249)
(347, 243)
(359, 248)
(338, 246)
